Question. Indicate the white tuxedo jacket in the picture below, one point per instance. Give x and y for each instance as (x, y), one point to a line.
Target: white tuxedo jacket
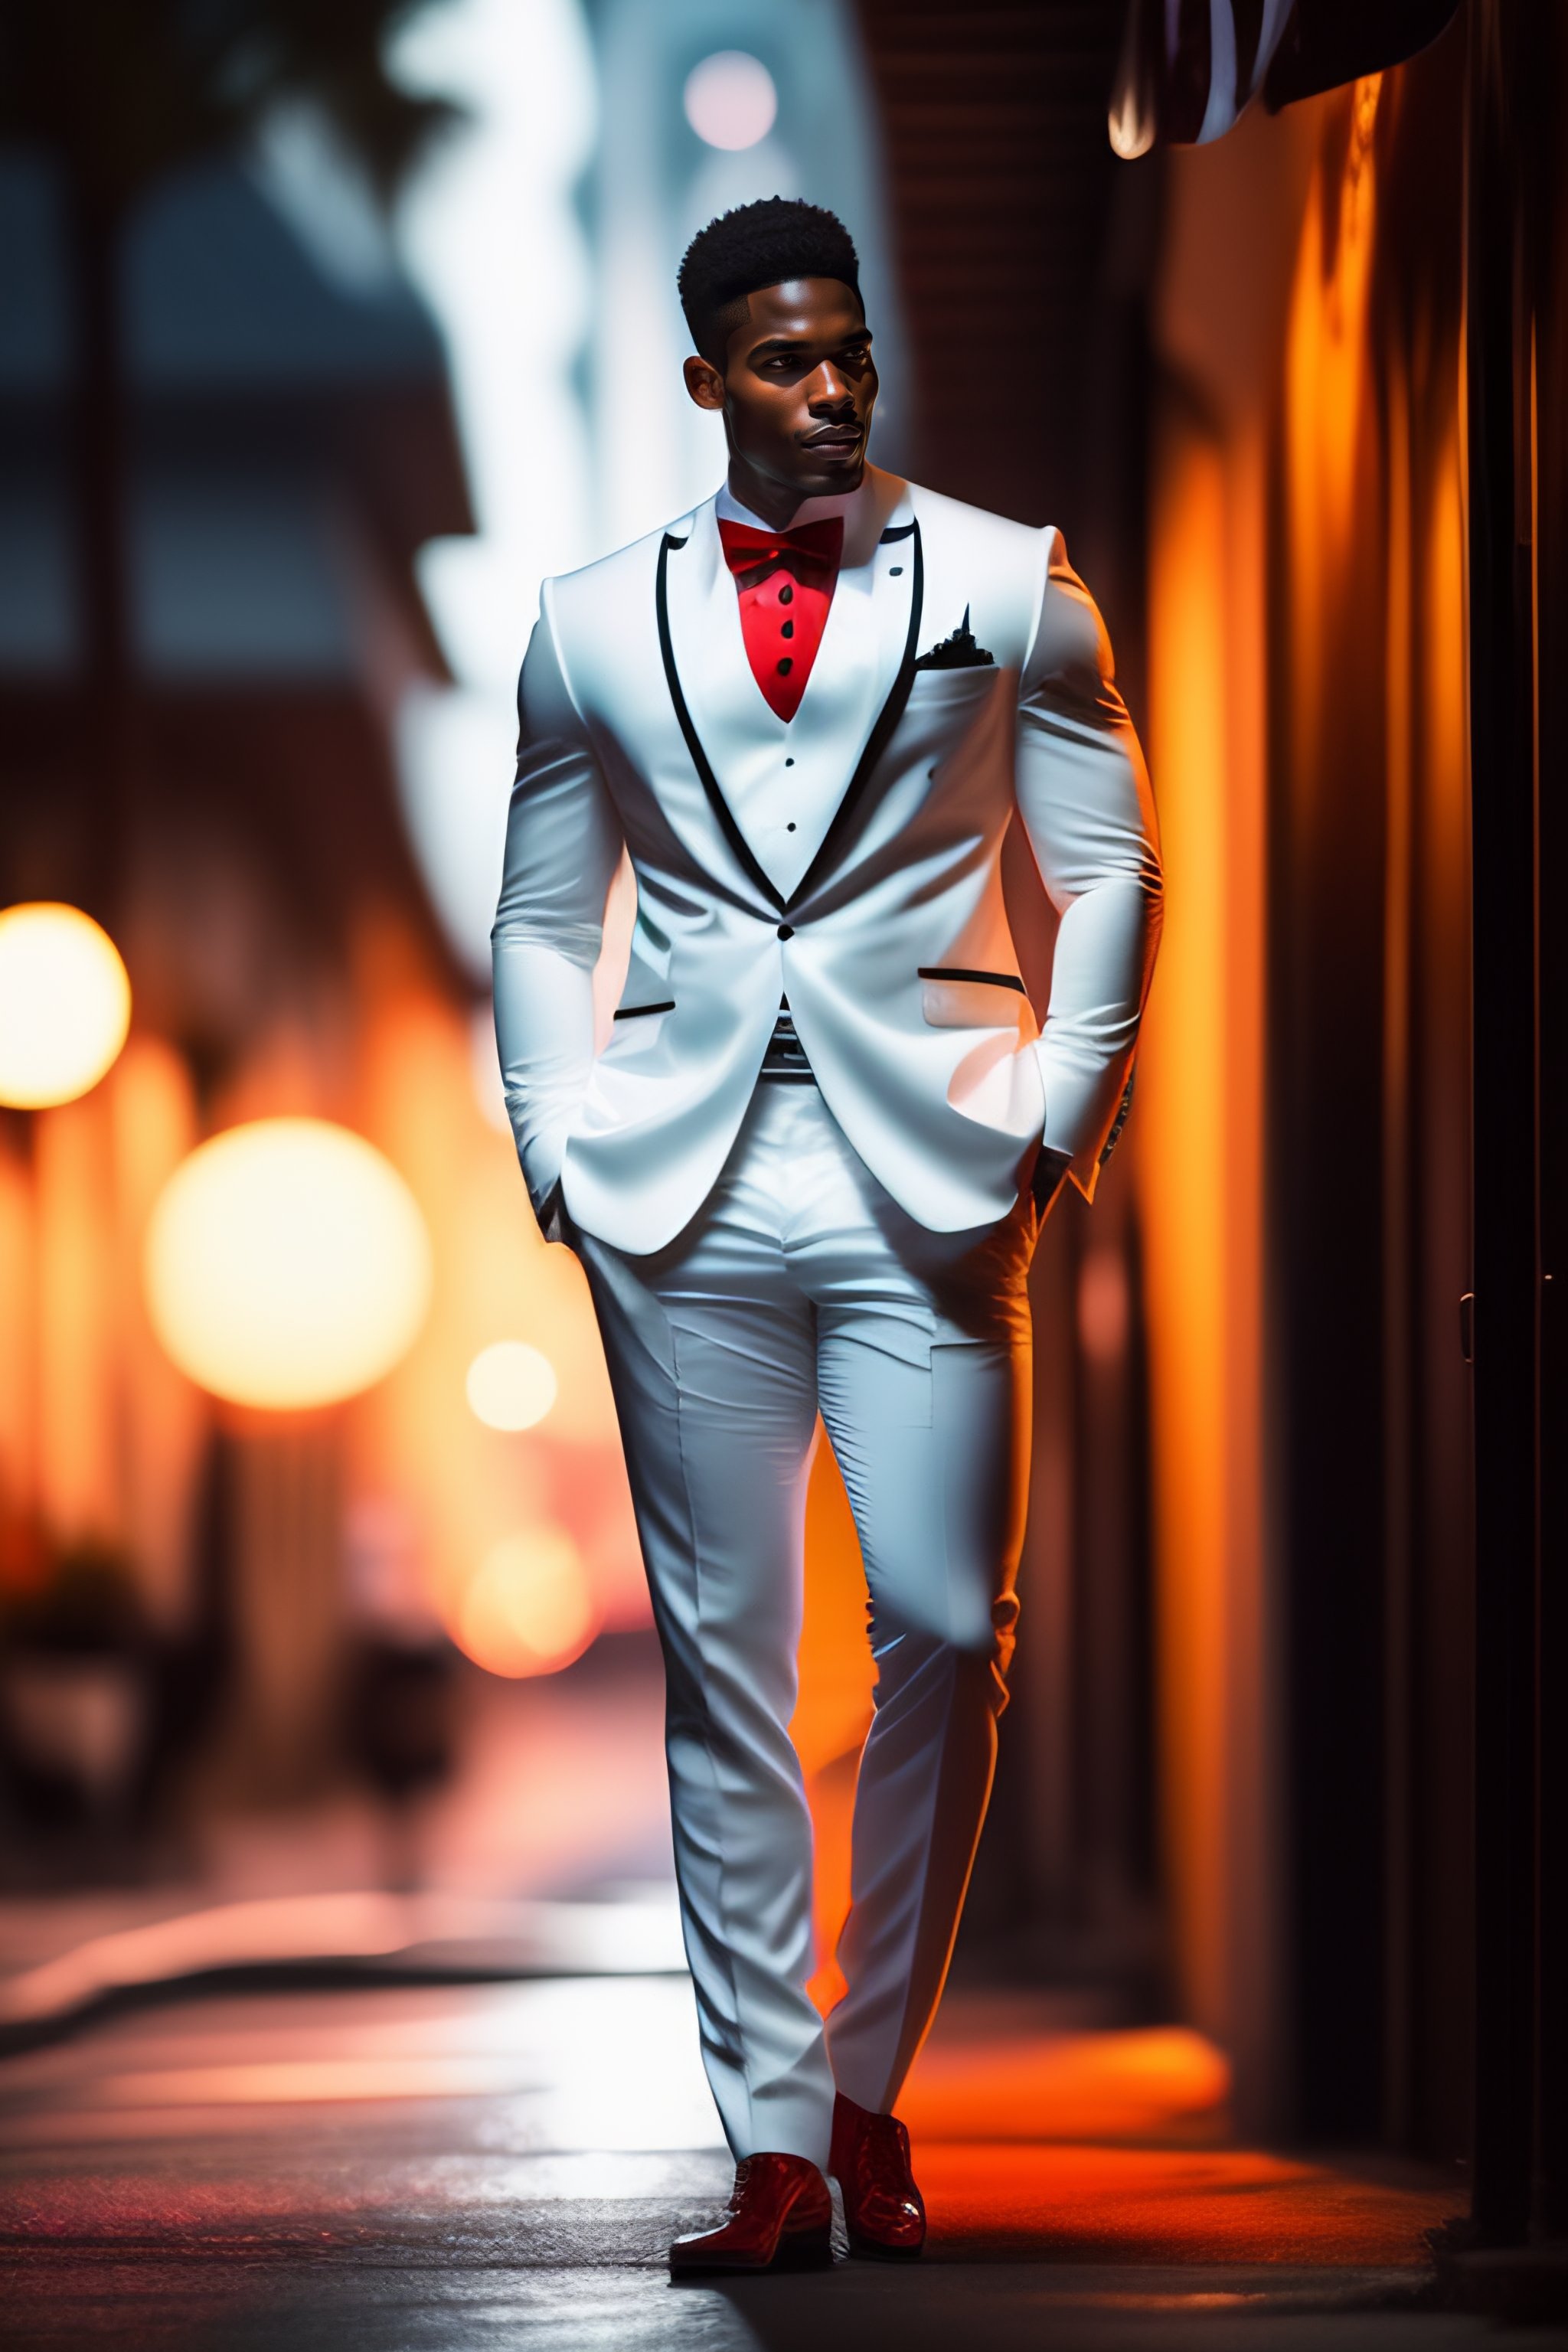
(848, 860)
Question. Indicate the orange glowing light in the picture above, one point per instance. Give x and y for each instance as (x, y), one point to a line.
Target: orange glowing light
(1129, 126)
(1151, 2082)
(530, 1607)
(286, 1265)
(1104, 1309)
(1134, 2206)
(510, 1385)
(65, 1005)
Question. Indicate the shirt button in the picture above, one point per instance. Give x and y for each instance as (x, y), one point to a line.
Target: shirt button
(785, 666)
(786, 594)
(789, 763)
(787, 630)
(786, 930)
(790, 828)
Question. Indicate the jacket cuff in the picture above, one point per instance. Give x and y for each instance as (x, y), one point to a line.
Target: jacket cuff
(540, 1158)
(1076, 1119)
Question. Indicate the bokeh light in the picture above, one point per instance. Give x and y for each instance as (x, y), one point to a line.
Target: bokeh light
(1130, 123)
(530, 1607)
(731, 101)
(286, 1265)
(511, 1385)
(65, 1005)
(1104, 1304)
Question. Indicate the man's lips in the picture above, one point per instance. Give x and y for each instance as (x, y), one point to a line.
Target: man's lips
(841, 436)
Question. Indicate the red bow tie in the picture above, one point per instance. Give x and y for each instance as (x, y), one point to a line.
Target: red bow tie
(808, 546)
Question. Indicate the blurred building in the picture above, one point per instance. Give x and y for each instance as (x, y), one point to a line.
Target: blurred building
(289, 444)
(1282, 1741)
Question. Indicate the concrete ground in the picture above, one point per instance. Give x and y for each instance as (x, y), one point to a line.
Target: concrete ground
(395, 2165)
(385, 2169)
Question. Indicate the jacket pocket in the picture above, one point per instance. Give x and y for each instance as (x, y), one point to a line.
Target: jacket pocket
(642, 1011)
(961, 972)
(955, 996)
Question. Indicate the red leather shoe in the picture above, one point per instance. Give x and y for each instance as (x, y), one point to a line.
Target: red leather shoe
(883, 2211)
(779, 2217)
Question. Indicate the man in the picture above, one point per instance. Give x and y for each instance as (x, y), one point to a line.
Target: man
(806, 1174)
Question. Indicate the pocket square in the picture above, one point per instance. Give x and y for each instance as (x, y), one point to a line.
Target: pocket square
(958, 652)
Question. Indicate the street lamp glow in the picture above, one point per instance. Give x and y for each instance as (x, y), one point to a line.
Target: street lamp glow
(1130, 126)
(65, 1005)
(530, 1607)
(731, 101)
(510, 1385)
(286, 1265)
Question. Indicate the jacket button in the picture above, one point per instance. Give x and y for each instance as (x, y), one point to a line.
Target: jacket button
(786, 930)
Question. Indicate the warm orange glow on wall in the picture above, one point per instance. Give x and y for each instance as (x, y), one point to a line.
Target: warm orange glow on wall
(530, 1607)
(1199, 1145)
(1444, 717)
(286, 1265)
(65, 1005)
(1183, 1118)
(1222, 517)
(1327, 405)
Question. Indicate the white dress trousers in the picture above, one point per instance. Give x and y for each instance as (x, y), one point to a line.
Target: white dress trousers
(802, 1287)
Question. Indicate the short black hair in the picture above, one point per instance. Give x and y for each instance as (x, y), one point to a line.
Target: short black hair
(764, 244)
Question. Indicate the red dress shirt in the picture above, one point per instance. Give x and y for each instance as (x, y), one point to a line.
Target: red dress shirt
(785, 580)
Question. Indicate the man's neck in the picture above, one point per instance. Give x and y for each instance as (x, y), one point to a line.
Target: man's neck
(776, 503)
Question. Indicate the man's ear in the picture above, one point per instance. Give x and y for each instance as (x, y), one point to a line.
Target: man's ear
(704, 384)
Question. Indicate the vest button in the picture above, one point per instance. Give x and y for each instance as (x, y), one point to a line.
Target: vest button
(786, 930)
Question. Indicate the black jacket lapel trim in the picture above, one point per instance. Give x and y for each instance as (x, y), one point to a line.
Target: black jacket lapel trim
(878, 741)
(700, 761)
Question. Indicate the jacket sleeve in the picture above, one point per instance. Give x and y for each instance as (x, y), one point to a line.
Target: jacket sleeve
(562, 847)
(1084, 797)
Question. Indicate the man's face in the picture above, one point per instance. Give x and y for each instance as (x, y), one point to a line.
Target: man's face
(797, 386)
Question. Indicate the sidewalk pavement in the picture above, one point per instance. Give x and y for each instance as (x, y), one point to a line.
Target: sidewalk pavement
(404, 2168)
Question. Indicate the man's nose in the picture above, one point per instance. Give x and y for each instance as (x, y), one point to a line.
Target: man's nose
(829, 387)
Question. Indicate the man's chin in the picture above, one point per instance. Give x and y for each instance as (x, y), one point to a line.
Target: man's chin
(830, 480)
